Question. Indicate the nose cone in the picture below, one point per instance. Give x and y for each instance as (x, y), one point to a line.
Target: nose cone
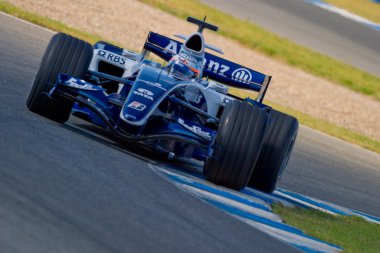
(195, 43)
(193, 51)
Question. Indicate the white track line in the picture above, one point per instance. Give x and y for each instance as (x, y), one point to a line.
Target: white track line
(344, 13)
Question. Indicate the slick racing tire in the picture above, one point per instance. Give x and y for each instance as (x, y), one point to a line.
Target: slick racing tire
(64, 55)
(237, 146)
(275, 152)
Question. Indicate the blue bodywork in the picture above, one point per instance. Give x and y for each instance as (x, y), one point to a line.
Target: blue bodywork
(151, 108)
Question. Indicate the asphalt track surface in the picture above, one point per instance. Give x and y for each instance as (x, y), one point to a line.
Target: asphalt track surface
(313, 27)
(69, 188)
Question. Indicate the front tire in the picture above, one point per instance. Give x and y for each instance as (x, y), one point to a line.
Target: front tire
(240, 136)
(275, 153)
(64, 55)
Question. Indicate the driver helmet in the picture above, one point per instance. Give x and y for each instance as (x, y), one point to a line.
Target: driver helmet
(185, 67)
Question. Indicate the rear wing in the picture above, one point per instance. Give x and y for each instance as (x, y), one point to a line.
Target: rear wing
(215, 68)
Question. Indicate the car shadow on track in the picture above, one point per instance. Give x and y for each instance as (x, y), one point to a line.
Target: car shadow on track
(106, 137)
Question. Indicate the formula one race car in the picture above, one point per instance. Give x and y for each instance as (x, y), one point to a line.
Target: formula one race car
(183, 108)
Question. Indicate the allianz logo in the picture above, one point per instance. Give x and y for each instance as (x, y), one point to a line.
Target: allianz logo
(242, 75)
(144, 93)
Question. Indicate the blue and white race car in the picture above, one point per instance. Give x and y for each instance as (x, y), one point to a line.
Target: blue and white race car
(182, 108)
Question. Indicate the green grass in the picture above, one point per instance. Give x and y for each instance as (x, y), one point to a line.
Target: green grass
(364, 8)
(304, 119)
(354, 234)
(277, 47)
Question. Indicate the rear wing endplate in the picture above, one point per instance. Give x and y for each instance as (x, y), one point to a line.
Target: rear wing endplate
(215, 68)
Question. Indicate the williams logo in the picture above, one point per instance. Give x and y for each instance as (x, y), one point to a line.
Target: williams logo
(242, 75)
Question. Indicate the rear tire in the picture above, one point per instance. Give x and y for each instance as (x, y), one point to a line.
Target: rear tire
(275, 153)
(240, 136)
(64, 55)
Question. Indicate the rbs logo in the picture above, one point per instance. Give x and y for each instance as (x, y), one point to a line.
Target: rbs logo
(111, 57)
